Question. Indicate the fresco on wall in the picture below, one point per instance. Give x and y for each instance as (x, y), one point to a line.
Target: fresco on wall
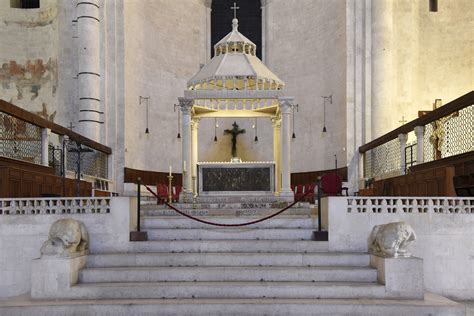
(29, 77)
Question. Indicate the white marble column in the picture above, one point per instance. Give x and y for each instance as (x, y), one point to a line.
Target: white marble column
(403, 145)
(276, 123)
(208, 5)
(91, 116)
(382, 67)
(186, 105)
(44, 146)
(194, 150)
(285, 108)
(419, 132)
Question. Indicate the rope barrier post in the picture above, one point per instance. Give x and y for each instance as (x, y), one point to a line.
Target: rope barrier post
(320, 235)
(138, 235)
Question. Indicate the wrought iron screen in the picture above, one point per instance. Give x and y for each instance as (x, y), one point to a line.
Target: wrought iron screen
(19, 139)
(450, 135)
(383, 161)
(93, 162)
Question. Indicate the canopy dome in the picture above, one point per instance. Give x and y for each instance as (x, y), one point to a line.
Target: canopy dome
(235, 66)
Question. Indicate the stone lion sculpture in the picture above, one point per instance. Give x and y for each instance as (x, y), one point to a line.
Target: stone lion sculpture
(67, 237)
(391, 240)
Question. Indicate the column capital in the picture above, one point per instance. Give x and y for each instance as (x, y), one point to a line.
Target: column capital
(419, 130)
(403, 138)
(195, 123)
(265, 2)
(286, 103)
(186, 104)
(276, 122)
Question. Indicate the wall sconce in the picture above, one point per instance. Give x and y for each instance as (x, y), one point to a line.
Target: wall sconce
(216, 125)
(324, 111)
(255, 126)
(140, 101)
(179, 120)
(297, 110)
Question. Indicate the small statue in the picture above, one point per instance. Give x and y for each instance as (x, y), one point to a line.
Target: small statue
(235, 131)
(391, 240)
(67, 237)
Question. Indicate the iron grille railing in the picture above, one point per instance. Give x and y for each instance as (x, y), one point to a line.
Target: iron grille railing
(93, 162)
(444, 132)
(19, 139)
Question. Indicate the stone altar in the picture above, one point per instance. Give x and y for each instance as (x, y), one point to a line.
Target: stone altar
(236, 178)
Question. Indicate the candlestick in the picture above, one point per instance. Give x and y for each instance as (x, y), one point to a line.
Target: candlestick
(170, 170)
(184, 166)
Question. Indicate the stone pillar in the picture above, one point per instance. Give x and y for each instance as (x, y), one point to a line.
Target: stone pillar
(44, 146)
(382, 69)
(276, 123)
(264, 7)
(285, 108)
(91, 115)
(208, 5)
(403, 144)
(419, 132)
(186, 105)
(194, 149)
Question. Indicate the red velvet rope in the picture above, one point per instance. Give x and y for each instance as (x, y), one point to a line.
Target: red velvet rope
(218, 224)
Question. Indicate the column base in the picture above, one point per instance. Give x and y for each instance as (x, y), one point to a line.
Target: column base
(287, 195)
(186, 197)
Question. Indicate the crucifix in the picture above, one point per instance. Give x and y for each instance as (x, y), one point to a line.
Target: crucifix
(235, 8)
(235, 131)
(70, 126)
(439, 130)
(403, 121)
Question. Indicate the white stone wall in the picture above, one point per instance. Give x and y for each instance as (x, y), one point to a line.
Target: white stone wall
(21, 236)
(426, 56)
(164, 45)
(306, 48)
(443, 226)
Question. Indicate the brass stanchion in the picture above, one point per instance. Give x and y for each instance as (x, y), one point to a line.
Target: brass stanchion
(170, 189)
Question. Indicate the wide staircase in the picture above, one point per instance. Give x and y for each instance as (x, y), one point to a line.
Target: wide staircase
(269, 268)
(276, 258)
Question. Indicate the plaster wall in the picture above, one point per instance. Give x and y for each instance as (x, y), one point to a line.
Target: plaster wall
(428, 56)
(164, 43)
(306, 48)
(35, 56)
(443, 227)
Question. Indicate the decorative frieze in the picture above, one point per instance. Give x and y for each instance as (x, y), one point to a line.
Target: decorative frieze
(423, 205)
(54, 206)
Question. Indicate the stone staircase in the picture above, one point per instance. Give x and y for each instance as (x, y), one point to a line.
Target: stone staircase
(273, 267)
(187, 259)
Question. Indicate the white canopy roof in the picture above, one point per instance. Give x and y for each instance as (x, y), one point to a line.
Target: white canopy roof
(235, 59)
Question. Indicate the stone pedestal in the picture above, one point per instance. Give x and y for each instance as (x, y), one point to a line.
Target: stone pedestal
(52, 276)
(402, 277)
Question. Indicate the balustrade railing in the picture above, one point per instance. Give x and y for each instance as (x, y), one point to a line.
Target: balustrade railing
(443, 132)
(28, 137)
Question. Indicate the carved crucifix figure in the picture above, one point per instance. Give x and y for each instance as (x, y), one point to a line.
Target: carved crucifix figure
(235, 131)
(439, 132)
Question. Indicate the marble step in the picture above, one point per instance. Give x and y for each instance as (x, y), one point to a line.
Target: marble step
(230, 233)
(224, 290)
(232, 205)
(231, 259)
(281, 221)
(237, 212)
(241, 273)
(433, 305)
(236, 245)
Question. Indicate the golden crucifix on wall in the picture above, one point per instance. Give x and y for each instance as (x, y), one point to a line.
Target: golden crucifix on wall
(438, 135)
